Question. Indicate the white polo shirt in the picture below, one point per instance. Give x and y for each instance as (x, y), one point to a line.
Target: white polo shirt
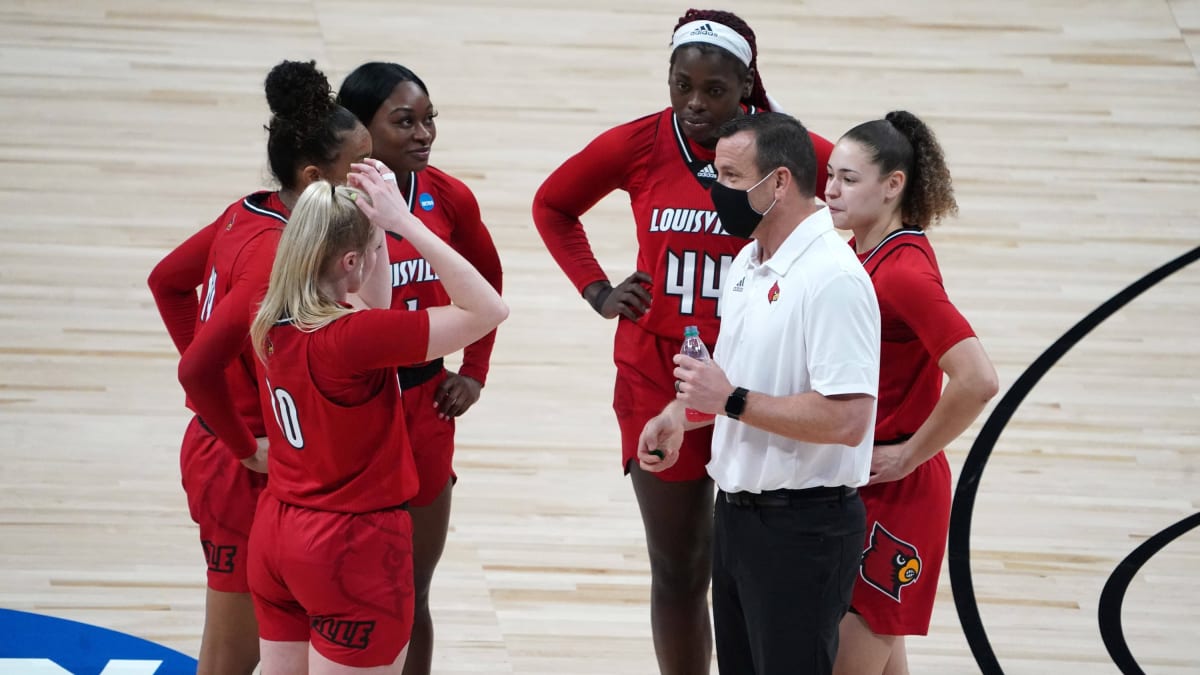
(805, 320)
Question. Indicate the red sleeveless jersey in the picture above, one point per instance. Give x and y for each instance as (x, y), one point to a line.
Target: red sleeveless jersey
(446, 206)
(919, 324)
(348, 453)
(242, 252)
(681, 244)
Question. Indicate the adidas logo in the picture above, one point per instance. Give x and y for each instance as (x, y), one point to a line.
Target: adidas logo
(740, 285)
(705, 29)
(707, 172)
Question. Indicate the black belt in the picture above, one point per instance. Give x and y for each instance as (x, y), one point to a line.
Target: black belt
(777, 498)
(415, 376)
(895, 441)
(208, 429)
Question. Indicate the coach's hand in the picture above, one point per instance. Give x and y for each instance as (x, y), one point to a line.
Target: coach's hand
(701, 385)
(658, 446)
(455, 395)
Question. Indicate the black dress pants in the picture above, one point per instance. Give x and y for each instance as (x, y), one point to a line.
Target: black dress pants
(784, 564)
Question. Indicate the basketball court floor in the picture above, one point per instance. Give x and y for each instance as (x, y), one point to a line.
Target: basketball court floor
(1073, 133)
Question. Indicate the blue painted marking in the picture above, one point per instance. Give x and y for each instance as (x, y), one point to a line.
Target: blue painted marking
(35, 644)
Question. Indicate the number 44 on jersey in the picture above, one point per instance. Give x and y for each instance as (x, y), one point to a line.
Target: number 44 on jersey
(687, 281)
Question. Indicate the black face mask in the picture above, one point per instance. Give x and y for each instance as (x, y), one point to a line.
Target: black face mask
(733, 208)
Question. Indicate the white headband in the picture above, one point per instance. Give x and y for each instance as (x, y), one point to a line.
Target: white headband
(713, 33)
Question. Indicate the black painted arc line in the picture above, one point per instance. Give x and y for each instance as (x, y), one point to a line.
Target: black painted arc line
(1108, 614)
(958, 549)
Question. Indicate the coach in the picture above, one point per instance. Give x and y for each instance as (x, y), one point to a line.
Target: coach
(793, 382)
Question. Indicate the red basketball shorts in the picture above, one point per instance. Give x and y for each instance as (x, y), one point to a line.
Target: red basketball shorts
(221, 496)
(432, 440)
(907, 522)
(645, 385)
(341, 581)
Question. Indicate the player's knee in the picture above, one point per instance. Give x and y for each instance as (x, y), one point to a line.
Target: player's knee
(680, 575)
(421, 595)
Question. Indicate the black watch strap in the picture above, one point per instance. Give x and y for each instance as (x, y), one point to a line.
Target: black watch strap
(735, 405)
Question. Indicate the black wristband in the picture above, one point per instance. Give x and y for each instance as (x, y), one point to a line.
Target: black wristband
(598, 298)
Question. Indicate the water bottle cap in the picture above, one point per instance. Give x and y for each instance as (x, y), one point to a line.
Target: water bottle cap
(691, 331)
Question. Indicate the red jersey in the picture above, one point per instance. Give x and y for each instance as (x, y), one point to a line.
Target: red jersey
(919, 324)
(681, 244)
(446, 206)
(237, 265)
(339, 443)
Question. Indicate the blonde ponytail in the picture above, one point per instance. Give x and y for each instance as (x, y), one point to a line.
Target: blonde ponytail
(324, 226)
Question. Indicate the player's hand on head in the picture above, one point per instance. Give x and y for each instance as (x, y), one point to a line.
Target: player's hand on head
(384, 205)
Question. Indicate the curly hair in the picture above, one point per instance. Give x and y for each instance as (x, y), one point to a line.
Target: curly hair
(306, 124)
(758, 94)
(902, 142)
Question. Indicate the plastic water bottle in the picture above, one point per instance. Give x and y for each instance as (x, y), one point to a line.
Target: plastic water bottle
(694, 347)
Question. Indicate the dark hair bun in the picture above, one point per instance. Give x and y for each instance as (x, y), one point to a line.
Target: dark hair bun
(299, 93)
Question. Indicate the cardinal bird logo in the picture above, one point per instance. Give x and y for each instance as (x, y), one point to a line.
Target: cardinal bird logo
(773, 294)
(889, 564)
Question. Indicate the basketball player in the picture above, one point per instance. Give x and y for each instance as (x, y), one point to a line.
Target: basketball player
(309, 138)
(888, 182)
(394, 105)
(331, 547)
(664, 162)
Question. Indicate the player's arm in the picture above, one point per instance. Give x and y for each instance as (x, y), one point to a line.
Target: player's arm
(377, 340)
(611, 162)
(202, 372)
(477, 308)
(971, 382)
(919, 298)
(221, 339)
(173, 284)
(472, 239)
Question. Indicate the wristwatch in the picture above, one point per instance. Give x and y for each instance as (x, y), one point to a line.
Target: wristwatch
(735, 405)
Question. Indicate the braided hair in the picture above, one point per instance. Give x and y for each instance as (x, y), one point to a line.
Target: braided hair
(306, 124)
(902, 142)
(758, 95)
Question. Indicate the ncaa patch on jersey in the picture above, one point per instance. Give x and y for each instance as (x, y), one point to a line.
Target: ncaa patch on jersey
(35, 644)
(426, 201)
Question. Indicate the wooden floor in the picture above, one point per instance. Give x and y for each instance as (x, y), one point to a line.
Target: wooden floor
(1072, 129)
